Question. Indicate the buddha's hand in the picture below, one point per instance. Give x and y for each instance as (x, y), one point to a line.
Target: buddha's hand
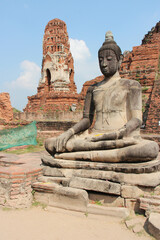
(110, 136)
(62, 140)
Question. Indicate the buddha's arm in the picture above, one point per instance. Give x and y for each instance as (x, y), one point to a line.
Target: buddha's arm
(134, 107)
(82, 125)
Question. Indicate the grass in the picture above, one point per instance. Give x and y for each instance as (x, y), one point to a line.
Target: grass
(38, 204)
(98, 203)
(86, 214)
(27, 149)
(6, 209)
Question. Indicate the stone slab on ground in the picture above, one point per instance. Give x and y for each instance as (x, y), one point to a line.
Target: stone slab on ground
(56, 195)
(69, 198)
(134, 221)
(145, 167)
(95, 185)
(119, 212)
(136, 224)
(154, 225)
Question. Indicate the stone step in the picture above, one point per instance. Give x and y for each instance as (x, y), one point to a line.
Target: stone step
(144, 179)
(95, 185)
(119, 212)
(55, 195)
(150, 203)
(60, 180)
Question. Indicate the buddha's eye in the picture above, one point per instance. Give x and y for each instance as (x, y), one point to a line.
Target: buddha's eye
(109, 58)
(100, 59)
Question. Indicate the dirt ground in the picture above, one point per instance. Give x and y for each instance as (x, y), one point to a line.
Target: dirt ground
(57, 224)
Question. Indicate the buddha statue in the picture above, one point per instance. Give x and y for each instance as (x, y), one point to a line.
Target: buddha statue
(117, 103)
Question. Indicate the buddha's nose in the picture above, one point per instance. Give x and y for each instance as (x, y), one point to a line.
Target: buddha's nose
(105, 63)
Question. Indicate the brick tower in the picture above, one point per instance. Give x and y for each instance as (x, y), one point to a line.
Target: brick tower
(56, 89)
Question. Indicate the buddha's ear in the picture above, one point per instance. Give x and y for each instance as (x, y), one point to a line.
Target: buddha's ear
(120, 61)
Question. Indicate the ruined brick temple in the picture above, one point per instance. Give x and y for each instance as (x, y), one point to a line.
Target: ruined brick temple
(143, 64)
(57, 89)
(6, 110)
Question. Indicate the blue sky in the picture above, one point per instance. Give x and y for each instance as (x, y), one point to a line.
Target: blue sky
(22, 24)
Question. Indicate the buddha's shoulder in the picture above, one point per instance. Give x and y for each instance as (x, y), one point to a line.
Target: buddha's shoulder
(93, 86)
(130, 83)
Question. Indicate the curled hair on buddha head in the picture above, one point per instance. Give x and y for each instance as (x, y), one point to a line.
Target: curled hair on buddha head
(112, 45)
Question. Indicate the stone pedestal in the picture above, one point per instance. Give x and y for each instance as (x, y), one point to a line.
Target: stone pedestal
(108, 184)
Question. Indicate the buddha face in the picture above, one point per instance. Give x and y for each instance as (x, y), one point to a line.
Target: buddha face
(108, 62)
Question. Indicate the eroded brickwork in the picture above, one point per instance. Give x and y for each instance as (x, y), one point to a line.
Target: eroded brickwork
(6, 110)
(57, 89)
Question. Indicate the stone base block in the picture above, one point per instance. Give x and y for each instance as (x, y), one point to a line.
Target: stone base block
(154, 225)
(95, 185)
(120, 212)
(64, 197)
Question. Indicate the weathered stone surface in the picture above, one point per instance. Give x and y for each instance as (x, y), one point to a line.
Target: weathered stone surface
(154, 225)
(147, 167)
(138, 228)
(95, 185)
(150, 203)
(6, 110)
(65, 197)
(136, 224)
(48, 171)
(146, 179)
(60, 180)
(109, 211)
(131, 191)
(132, 204)
(106, 199)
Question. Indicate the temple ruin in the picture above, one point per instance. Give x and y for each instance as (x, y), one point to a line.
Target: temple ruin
(56, 89)
(6, 110)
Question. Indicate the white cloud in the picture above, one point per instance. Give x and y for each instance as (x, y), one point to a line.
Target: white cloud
(86, 67)
(29, 76)
(79, 49)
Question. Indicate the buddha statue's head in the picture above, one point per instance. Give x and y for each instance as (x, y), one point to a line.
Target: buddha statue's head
(110, 56)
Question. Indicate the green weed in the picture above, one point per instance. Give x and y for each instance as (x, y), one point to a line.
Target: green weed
(86, 214)
(38, 204)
